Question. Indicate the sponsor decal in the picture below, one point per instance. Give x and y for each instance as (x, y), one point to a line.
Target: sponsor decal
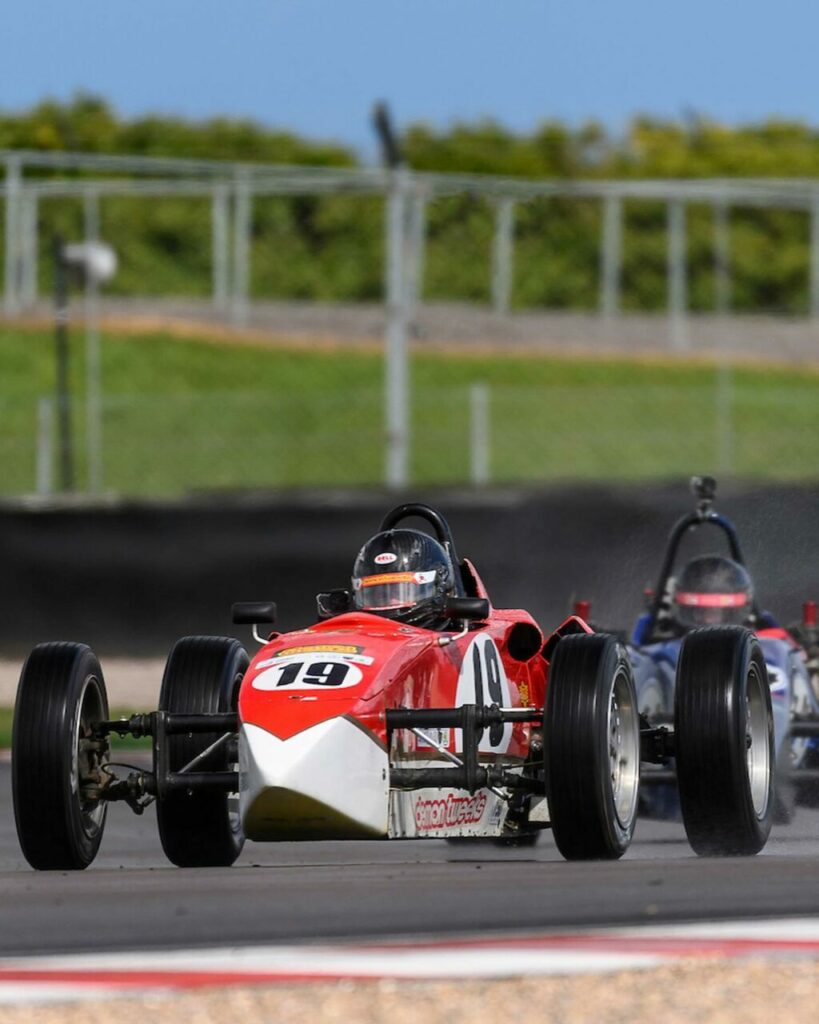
(439, 736)
(288, 652)
(449, 812)
(387, 558)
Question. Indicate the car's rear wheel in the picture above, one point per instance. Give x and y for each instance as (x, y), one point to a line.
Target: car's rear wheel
(591, 733)
(201, 828)
(724, 741)
(57, 763)
(784, 810)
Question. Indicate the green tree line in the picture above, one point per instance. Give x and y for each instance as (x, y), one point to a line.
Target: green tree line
(331, 247)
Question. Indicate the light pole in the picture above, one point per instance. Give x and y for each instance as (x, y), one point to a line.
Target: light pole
(66, 444)
(92, 263)
(396, 361)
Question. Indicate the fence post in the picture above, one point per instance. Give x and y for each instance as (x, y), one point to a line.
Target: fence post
(220, 246)
(479, 440)
(502, 255)
(814, 256)
(416, 245)
(677, 285)
(28, 249)
(722, 259)
(45, 446)
(396, 359)
(241, 246)
(12, 233)
(93, 357)
(610, 255)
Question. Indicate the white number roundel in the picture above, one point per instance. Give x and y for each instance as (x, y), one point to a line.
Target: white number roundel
(317, 672)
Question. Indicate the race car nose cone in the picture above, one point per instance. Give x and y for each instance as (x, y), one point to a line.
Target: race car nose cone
(327, 782)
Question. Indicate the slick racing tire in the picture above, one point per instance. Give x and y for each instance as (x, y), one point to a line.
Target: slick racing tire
(201, 828)
(57, 765)
(724, 741)
(591, 733)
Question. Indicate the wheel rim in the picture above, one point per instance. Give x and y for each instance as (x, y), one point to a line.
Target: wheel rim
(624, 749)
(757, 743)
(88, 758)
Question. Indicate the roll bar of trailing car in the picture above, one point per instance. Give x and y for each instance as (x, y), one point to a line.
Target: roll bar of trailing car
(440, 526)
(704, 487)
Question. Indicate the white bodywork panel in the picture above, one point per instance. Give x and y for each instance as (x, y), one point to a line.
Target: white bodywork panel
(328, 782)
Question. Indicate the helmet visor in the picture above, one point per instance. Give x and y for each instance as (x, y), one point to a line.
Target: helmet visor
(700, 609)
(390, 590)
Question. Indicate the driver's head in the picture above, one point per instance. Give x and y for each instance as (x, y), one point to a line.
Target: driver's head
(403, 574)
(713, 591)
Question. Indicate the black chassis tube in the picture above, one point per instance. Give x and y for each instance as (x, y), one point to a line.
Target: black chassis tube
(806, 728)
(472, 719)
(159, 725)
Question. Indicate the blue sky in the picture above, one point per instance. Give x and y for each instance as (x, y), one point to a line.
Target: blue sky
(316, 66)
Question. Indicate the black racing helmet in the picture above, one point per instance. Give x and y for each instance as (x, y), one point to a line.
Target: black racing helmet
(713, 591)
(405, 575)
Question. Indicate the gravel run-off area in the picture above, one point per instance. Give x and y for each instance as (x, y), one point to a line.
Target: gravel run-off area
(705, 992)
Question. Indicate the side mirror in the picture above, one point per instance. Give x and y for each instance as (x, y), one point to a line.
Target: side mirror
(250, 613)
(473, 608)
(333, 602)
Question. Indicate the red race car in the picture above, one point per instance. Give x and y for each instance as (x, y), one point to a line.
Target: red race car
(412, 708)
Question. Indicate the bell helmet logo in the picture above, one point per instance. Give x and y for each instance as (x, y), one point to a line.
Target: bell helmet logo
(387, 558)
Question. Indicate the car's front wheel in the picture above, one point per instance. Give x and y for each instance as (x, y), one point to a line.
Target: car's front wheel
(57, 761)
(591, 731)
(724, 741)
(201, 828)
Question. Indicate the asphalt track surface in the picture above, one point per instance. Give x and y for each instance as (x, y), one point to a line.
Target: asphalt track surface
(131, 898)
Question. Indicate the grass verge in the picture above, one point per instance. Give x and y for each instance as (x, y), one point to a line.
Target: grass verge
(182, 415)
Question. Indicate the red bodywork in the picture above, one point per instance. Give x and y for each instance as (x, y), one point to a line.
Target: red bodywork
(357, 665)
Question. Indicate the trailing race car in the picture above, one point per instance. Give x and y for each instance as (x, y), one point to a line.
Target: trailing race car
(412, 708)
(715, 590)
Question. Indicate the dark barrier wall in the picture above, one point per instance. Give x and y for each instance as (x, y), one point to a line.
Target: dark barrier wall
(131, 579)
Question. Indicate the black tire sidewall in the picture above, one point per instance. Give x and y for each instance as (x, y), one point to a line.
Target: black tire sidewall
(581, 801)
(50, 822)
(711, 702)
(202, 676)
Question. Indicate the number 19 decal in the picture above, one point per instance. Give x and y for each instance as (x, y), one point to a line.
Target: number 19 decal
(325, 672)
(483, 681)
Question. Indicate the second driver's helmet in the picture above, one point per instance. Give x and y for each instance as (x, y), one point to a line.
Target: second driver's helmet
(404, 575)
(713, 591)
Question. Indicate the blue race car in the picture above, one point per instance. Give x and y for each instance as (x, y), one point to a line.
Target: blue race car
(716, 590)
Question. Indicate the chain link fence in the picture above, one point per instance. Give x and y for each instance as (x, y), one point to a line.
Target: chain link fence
(477, 434)
(406, 328)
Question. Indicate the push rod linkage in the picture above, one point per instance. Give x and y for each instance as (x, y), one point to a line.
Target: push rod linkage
(169, 723)
(487, 777)
(472, 720)
(141, 786)
(453, 718)
(656, 744)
